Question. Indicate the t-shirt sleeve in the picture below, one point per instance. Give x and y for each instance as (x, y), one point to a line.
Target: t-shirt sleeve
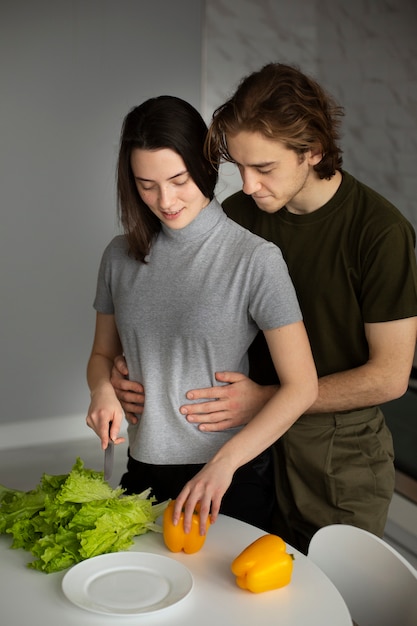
(273, 301)
(103, 301)
(389, 286)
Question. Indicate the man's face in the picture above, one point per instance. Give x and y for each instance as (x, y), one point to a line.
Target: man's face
(274, 175)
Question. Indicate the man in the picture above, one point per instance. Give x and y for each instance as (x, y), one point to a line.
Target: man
(351, 256)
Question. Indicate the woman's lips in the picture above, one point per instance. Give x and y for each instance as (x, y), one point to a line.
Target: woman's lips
(171, 215)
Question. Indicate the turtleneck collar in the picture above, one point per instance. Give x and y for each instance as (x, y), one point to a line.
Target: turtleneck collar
(204, 222)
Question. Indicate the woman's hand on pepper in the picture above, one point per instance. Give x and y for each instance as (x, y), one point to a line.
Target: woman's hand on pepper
(176, 539)
(205, 490)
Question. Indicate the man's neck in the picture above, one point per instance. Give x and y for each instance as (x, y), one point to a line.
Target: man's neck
(316, 193)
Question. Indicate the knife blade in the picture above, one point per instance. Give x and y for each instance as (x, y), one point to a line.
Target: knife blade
(108, 460)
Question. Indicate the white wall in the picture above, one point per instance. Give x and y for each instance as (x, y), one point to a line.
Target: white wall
(69, 72)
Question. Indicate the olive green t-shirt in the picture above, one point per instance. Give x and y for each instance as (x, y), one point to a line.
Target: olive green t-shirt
(351, 261)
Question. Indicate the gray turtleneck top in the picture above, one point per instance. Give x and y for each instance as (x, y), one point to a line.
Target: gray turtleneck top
(192, 310)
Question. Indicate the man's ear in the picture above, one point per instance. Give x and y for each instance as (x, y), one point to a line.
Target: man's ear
(315, 154)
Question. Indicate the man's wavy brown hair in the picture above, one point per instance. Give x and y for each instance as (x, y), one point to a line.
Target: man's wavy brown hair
(282, 103)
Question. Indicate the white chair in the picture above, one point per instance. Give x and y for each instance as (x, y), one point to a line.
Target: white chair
(377, 583)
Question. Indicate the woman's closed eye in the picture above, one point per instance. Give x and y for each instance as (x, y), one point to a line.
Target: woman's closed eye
(182, 180)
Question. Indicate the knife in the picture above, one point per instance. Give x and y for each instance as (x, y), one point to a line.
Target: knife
(108, 459)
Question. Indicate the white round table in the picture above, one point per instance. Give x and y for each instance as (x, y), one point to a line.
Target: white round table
(35, 598)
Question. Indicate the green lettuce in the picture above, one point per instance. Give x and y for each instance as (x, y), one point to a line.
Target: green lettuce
(75, 516)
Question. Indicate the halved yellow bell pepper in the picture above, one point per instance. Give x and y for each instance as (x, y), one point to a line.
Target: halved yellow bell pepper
(175, 537)
(264, 565)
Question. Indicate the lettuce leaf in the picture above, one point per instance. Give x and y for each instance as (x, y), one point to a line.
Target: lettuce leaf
(75, 516)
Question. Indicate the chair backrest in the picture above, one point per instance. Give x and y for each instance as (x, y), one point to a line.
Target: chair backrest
(377, 583)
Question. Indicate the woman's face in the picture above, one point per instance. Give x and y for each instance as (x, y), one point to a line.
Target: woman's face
(166, 187)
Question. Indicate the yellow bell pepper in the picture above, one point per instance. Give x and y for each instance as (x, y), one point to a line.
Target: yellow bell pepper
(264, 565)
(175, 537)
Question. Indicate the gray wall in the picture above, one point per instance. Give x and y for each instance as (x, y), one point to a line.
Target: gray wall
(69, 72)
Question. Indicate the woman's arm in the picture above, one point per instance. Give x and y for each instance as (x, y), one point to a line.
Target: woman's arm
(104, 409)
(291, 354)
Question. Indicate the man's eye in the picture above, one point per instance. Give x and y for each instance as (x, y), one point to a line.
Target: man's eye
(264, 171)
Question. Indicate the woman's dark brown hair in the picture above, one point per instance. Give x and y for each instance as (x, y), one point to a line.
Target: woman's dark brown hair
(284, 104)
(162, 122)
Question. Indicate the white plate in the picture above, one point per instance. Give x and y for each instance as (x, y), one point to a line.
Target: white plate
(127, 583)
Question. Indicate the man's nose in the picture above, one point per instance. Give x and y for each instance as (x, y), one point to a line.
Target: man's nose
(250, 182)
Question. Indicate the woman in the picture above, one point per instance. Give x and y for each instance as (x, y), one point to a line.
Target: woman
(181, 293)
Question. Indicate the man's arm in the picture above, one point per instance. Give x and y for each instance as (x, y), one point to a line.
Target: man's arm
(229, 405)
(383, 378)
(233, 404)
(129, 393)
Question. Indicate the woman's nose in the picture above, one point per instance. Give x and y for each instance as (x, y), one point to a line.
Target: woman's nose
(166, 197)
